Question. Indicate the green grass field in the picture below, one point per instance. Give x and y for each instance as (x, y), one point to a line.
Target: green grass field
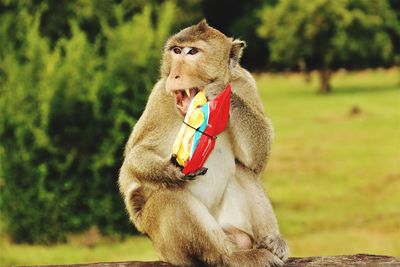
(334, 174)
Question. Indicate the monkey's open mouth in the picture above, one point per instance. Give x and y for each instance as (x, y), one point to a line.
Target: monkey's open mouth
(183, 98)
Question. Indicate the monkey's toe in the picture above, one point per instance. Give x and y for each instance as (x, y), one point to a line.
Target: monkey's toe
(276, 245)
(271, 260)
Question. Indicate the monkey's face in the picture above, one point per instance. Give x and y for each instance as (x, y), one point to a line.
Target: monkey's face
(193, 58)
(186, 77)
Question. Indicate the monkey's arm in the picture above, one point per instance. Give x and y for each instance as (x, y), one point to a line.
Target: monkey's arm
(252, 132)
(149, 167)
(147, 153)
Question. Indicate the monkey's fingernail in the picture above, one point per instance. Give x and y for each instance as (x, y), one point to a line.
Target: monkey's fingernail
(187, 92)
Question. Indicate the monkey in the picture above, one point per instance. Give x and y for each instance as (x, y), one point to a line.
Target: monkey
(222, 217)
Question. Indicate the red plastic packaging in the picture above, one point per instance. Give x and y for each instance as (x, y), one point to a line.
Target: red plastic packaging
(218, 119)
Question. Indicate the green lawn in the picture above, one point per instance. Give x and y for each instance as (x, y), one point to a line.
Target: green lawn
(334, 174)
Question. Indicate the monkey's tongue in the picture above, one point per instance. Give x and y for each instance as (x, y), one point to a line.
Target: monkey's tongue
(183, 99)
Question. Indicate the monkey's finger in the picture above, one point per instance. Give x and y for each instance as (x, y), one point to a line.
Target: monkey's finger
(192, 175)
(202, 171)
(174, 161)
(189, 177)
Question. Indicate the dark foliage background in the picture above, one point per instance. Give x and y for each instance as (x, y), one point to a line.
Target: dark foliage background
(72, 86)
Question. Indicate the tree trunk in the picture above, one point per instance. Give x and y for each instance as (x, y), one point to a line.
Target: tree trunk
(325, 75)
(304, 70)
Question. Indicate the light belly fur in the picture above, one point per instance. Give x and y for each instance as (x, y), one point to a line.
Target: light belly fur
(209, 188)
(219, 191)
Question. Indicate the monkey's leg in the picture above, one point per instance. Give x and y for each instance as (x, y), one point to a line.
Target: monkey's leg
(186, 234)
(263, 220)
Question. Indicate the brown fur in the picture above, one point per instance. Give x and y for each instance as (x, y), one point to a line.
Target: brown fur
(222, 218)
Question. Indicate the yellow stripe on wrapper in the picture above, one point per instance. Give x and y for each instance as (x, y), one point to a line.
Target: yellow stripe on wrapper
(195, 118)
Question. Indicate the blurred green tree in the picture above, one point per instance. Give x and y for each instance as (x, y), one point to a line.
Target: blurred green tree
(68, 105)
(324, 33)
(240, 20)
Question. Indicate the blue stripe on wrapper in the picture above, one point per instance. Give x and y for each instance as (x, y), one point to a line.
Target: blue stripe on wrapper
(206, 111)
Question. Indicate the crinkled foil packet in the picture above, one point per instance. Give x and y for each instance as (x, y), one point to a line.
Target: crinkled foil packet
(196, 139)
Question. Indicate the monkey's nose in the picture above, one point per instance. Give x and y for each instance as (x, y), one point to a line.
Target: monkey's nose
(177, 77)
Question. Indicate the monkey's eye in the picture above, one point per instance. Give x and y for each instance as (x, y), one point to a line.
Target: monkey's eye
(177, 50)
(193, 51)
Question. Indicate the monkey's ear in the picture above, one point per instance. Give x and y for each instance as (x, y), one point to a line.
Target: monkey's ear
(236, 52)
(202, 25)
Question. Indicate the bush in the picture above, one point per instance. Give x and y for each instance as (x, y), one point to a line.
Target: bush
(67, 111)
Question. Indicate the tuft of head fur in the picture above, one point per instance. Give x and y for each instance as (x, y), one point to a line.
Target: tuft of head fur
(200, 31)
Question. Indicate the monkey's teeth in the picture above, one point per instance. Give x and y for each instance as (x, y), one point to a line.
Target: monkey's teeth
(187, 92)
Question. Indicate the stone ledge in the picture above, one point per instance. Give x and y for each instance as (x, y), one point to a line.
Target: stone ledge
(342, 260)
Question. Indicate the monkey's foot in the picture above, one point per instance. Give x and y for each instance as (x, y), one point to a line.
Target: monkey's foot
(276, 245)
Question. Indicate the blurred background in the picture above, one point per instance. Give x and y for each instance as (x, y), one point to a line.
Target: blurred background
(74, 79)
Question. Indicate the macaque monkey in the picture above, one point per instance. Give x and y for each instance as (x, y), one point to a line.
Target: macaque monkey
(222, 217)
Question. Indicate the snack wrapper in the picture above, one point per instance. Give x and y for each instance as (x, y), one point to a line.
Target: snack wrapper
(196, 139)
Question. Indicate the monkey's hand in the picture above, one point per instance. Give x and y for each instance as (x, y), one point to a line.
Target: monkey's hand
(191, 175)
(214, 89)
(171, 174)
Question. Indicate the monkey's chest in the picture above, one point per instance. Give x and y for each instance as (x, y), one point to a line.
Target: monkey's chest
(210, 188)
